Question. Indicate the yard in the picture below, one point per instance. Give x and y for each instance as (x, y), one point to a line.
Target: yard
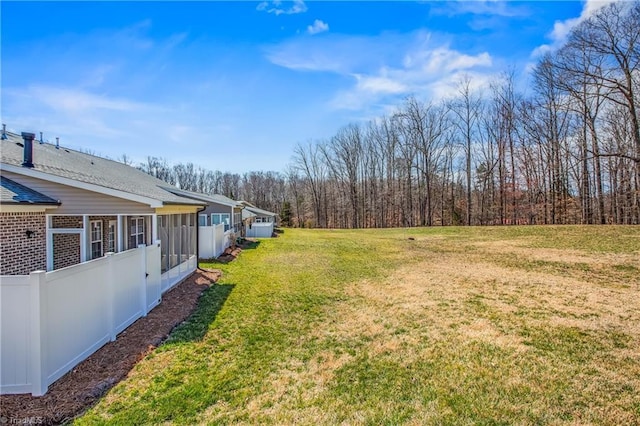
(524, 325)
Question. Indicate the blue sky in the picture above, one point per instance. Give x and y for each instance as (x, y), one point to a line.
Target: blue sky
(234, 86)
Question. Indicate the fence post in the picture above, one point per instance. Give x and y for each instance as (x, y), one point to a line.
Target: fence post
(111, 282)
(142, 248)
(214, 236)
(37, 284)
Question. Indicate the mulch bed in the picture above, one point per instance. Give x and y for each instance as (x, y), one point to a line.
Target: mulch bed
(229, 254)
(88, 381)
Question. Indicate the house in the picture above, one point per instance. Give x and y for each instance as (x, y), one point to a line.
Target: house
(262, 222)
(87, 246)
(221, 209)
(80, 207)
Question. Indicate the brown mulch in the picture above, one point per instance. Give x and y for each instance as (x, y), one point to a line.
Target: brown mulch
(88, 381)
(229, 254)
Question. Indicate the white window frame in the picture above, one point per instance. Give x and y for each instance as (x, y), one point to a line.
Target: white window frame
(202, 218)
(93, 240)
(134, 222)
(112, 238)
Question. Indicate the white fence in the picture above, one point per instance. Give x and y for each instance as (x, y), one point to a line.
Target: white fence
(212, 241)
(51, 321)
(260, 230)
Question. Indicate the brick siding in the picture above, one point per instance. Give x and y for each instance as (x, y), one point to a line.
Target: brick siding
(66, 247)
(70, 222)
(19, 254)
(66, 250)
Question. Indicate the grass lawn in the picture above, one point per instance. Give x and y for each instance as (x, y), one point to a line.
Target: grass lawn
(496, 325)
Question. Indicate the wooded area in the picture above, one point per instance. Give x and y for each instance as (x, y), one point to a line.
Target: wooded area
(567, 151)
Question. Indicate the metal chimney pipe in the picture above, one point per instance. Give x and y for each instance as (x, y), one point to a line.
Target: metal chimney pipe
(4, 131)
(41, 140)
(57, 142)
(28, 149)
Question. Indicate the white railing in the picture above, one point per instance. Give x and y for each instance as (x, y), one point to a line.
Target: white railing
(212, 241)
(178, 273)
(51, 321)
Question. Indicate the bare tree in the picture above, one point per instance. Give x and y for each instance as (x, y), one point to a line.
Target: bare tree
(467, 111)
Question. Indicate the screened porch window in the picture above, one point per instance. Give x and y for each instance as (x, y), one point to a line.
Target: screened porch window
(163, 234)
(237, 221)
(177, 239)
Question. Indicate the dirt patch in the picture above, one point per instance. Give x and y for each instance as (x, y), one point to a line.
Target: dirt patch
(448, 296)
(88, 381)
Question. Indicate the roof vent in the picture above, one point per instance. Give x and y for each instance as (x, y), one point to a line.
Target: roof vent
(57, 142)
(4, 132)
(28, 149)
(41, 140)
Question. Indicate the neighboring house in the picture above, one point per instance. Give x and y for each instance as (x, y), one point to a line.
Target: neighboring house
(262, 222)
(80, 207)
(219, 211)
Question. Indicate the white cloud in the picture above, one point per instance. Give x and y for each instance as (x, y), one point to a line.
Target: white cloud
(333, 53)
(317, 27)
(385, 68)
(443, 58)
(277, 7)
(561, 29)
(481, 7)
(76, 101)
(381, 73)
(447, 87)
(379, 84)
(431, 73)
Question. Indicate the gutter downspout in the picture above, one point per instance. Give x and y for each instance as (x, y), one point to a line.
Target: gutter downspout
(243, 231)
(198, 235)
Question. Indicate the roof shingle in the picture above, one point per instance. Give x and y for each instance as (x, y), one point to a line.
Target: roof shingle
(87, 168)
(14, 193)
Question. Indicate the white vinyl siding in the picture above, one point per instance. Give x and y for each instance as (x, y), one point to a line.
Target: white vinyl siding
(80, 201)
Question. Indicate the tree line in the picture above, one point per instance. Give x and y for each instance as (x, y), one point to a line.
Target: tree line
(567, 151)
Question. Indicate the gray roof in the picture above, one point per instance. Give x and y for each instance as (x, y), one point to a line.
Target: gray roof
(212, 198)
(221, 198)
(260, 212)
(14, 193)
(246, 214)
(87, 168)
